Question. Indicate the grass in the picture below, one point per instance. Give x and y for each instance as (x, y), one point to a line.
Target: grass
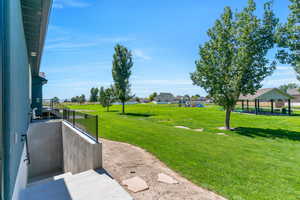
(259, 160)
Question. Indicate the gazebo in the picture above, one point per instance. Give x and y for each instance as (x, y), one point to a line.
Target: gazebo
(266, 98)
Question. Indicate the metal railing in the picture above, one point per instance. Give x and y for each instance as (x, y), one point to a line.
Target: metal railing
(86, 123)
(82, 121)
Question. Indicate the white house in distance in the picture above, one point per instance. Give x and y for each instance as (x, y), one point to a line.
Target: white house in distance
(295, 93)
(164, 98)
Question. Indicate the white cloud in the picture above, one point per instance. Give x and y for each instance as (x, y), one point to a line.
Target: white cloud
(163, 82)
(88, 67)
(139, 54)
(69, 45)
(59, 4)
(282, 75)
(284, 71)
(114, 39)
(270, 83)
(63, 40)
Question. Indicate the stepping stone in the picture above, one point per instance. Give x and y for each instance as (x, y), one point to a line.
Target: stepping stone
(183, 127)
(224, 128)
(199, 129)
(166, 179)
(221, 134)
(135, 184)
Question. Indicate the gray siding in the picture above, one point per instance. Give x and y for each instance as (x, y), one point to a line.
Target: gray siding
(16, 93)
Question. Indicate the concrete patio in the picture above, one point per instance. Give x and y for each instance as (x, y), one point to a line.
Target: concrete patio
(66, 164)
(91, 185)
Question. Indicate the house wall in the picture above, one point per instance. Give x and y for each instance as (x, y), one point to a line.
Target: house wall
(296, 98)
(37, 94)
(15, 92)
(1, 93)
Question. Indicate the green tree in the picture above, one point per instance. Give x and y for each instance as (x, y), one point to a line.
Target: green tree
(81, 99)
(55, 100)
(121, 71)
(152, 96)
(75, 99)
(106, 97)
(233, 61)
(94, 94)
(195, 97)
(137, 99)
(286, 87)
(288, 38)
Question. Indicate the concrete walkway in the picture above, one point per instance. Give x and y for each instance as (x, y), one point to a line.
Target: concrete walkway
(125, 161)
(89, 185)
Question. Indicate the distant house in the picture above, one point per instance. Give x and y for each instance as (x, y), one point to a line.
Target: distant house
(178, 98)
(164, 97)
(295, 93)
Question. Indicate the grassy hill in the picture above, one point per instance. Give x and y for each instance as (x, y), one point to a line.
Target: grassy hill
(259, 160)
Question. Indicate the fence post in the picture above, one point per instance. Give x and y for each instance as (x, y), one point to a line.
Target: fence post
(97, 134)
(73, 117)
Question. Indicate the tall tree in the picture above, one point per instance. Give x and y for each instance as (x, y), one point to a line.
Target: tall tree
(102, 96)
(286, 87)
(94, 94)
(233, 61)
(121, 71)
(288, 38)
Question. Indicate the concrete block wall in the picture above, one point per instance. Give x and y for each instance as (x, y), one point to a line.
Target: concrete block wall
(45, 148)
(55, 146)
(80, 152)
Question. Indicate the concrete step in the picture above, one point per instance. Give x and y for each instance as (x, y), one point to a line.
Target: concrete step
(57, 177)
(91, 185)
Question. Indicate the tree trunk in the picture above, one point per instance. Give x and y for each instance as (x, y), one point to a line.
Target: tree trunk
(123, 107)
(227, 120)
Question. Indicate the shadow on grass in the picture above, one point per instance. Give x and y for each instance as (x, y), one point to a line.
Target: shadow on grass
(268, 133)
(112, 111)
(137, 114)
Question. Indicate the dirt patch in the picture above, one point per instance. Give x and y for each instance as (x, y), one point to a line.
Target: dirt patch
(125, 161)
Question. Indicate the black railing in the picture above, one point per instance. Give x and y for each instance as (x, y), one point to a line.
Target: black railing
(82, 121)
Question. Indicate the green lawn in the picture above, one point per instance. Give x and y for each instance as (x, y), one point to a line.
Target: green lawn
(260, 160)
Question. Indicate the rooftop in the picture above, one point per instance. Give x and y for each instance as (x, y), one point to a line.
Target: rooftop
(266, 94)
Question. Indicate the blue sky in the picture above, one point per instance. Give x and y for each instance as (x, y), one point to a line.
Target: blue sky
(163, 35)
